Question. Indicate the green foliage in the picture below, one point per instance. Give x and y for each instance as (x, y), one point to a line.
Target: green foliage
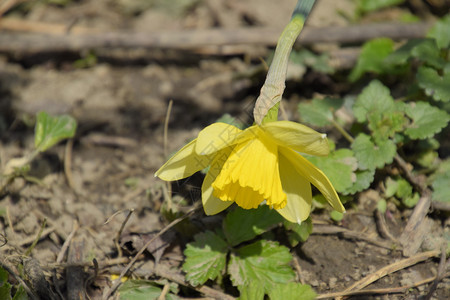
(427, 120)
(242, 225)
(376, 105)
(372, 58)
(6, 288)
(298, 232)
(339, 167)
(363, 180)
(319, 112)
(292, 291)
(435, 85)
(264, 262)
(371, 155)
(51, 130)
(440, 182)
(141, 290)
(372, 5)
(205, 258)
(441, 32)
(253, 291)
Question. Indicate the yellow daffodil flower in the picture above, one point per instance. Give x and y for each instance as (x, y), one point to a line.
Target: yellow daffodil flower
(256, 165)
(260, 164)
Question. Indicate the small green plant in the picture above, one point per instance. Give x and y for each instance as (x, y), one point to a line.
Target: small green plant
(48, 132)
(387, 129)
(233, 251)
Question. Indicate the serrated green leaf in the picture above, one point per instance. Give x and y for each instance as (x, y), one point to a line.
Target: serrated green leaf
(319, 112)
(265, 262)
(253, 291)
(292, 291)
(434, 85)
(371, 156)
(51, 130)
(375, 99)
(441, 187)
(427, 120)
(242, 225)
(298, 232)
(372, 5)
(363, 180)
(371, 59)
(141, 290)
(441, 32)
(338, 166)
(205, 258)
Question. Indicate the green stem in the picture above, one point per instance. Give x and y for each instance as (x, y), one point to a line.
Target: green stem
(344, 133)
(267, 104)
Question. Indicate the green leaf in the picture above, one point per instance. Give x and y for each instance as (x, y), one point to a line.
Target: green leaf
(265, 262)
(382, 206)
(5, 291)
(441, 187)
(205, 258)
(372, 5)
(242, 225)
(427, 120)
(141, 290)
(253, 291)
(370, 155)
(375, 99)
(338, 166)
(428, 52)
(20, 294)
(336, 216)
(4, 275)
(411, 200)
(292, 291)
(434, 85)
(372, 58)
(404, 189)
(391, 187)
(319, 112)
(298, 232)
(363, 180)
(441, 32)
(51, 130)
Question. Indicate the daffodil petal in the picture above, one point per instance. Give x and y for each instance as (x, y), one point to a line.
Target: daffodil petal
(213, 205)
(215, 137)
(183, 164)
(298, 191)
(298, 137)
(315, 176)
(251, 175)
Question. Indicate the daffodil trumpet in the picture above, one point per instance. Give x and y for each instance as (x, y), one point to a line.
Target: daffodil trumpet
(263, 163)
